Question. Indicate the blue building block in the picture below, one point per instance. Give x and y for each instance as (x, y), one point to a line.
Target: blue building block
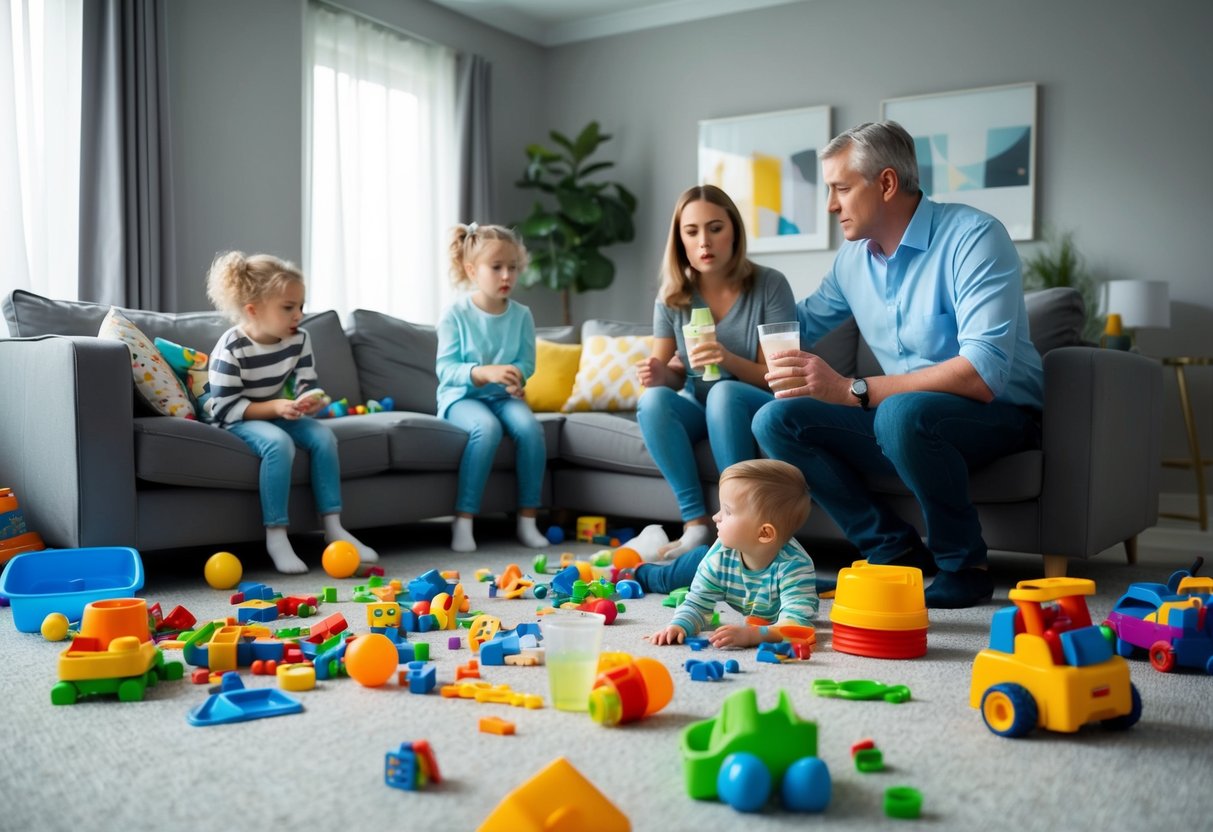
(696, 643)
(628, 589)
(731, 666)
(254, 591)
(261, 615)
(426, 585)
(563, 582)
(328, 663)
(422, 677)
(528, 628)
(1085, 646)
(701, 671)
(1002, 630)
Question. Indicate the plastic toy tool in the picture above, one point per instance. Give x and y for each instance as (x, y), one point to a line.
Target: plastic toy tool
(235, 703)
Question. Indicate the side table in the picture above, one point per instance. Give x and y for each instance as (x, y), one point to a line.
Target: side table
(1195, 461)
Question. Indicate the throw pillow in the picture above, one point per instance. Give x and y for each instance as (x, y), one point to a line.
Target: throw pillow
(606, 377)
(153, 376)
(188, 365)
(555, 371)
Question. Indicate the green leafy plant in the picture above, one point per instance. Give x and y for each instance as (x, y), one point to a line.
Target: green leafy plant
(564, 239)
(1059, 263)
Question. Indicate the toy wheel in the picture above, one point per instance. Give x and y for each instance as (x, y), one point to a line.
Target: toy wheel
(173, 671)
(1121, 723)
(64, 693)
(1162, 656)
(131, 690)
(1009, 710)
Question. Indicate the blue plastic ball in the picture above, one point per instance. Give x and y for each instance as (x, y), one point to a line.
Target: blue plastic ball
(806, 785)
(555, 535)
(744, 782)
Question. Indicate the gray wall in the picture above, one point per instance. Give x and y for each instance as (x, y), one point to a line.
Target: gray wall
(1125, 116)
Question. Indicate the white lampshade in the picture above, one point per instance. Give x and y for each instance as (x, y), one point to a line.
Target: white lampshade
(1141, 304)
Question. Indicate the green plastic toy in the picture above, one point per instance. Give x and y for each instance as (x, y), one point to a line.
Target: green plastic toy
(861, 689)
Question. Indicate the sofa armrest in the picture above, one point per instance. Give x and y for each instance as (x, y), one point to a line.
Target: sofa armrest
(67, 438)
(1102, 448)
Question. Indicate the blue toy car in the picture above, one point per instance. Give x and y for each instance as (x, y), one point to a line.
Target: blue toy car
(1171, 621)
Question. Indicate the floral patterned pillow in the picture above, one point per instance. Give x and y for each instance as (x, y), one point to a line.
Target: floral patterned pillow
(155, 380)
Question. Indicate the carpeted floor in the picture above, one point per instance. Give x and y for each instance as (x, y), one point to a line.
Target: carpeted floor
(102, 764)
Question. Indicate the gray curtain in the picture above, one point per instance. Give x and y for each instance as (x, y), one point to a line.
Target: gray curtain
(126, 223)
(472, 128)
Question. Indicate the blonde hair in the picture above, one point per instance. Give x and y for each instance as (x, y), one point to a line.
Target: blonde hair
(677, 277)
(236, 280)
(774, 490)
(467, 242)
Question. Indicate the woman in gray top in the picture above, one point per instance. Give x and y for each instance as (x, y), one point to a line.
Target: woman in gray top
(706, 266)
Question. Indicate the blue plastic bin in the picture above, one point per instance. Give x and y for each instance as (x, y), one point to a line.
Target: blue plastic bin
(66, 580)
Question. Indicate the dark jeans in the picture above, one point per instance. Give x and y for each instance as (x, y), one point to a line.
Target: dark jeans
(930, 440)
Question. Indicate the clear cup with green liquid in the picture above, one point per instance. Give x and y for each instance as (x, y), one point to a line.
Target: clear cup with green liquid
(572, 641)
(701, 329)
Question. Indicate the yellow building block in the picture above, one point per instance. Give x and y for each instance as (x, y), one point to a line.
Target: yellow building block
(557, 799)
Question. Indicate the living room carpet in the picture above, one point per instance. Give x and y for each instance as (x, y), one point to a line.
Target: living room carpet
(103, 764)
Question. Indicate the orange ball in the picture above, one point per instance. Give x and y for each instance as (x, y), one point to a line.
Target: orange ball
(371, 659)
(340, 559)
(626, 557)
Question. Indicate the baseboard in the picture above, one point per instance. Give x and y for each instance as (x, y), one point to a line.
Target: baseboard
(1179, 535)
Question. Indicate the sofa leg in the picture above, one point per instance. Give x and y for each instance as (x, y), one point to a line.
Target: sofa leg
(1055, 566)
(1131, 550)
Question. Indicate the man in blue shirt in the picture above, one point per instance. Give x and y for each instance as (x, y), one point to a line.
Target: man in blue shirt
(937, 293)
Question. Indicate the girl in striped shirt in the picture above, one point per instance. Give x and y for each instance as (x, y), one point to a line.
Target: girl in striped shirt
(251, 370)
(756, 566)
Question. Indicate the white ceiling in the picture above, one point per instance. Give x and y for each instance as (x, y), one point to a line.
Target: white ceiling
(556, 22)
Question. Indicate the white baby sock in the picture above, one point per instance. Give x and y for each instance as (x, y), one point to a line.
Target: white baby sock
(281, 553)
(692, 536)
(461, 535)
(333, 530)
(529, 534)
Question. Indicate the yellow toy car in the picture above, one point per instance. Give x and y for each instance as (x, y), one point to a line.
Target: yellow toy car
(1048, 666)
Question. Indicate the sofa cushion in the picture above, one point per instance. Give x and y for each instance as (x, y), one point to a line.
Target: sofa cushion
(155, 382)
(1009, 479)
(334, 358)
(396, 358)
(423, 442)
(1055, 318)
(606, 375)
(555, 371)
(612, 329)
(28, 314)
(185, 452)
(613, 442)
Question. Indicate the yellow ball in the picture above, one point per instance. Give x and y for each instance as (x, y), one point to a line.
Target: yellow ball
(223, 570)
(54, 627)
(340, 559)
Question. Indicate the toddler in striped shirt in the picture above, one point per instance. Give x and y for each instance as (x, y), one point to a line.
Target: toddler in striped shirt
(755, 566)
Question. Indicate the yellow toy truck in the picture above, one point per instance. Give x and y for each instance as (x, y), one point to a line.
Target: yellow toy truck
(1048, 666)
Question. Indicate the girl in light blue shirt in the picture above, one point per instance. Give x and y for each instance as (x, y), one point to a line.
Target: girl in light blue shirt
(486, 351)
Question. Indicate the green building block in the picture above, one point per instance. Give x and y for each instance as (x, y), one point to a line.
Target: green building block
(421, 651)
(676, 597)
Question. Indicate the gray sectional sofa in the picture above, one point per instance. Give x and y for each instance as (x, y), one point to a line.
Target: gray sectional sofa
(93, 467)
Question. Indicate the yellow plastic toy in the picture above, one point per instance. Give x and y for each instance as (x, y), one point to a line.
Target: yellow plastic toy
(55, 626)
(223, 570)
(880, 612)
(340, 559)
(1048, 666)
(557, 799)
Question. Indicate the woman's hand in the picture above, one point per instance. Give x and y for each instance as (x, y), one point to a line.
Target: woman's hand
(507, 375)
(672, 634)
(651, 372)
(709, 352)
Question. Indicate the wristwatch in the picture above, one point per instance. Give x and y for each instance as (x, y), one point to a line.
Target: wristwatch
(859, 389)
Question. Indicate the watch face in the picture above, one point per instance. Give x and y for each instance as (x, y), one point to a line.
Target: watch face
(859, 387)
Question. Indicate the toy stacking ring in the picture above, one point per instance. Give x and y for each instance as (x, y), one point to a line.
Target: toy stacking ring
(903, 802)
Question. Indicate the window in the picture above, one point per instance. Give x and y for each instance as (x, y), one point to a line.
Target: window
(381, 187)
(40, 60)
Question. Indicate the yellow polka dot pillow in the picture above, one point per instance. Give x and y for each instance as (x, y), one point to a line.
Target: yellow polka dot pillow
(155, 380)
(555, 371)
(606, 376)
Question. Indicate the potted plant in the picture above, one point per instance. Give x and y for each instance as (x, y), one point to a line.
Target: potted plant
(1060, 264)
(564, 239)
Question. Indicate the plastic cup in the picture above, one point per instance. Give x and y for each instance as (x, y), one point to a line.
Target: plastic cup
(694, 335)
(571, 644)
(780, 337)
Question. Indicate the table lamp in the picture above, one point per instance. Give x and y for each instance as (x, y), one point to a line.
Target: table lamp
(1140, 304)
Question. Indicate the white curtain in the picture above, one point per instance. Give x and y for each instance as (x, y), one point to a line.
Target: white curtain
(381, 194)
(40, 48)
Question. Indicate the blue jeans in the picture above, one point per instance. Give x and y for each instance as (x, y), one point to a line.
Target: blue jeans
(484, 421)
(930, 440)
(664, 578)
(673, 421)
(274, 440)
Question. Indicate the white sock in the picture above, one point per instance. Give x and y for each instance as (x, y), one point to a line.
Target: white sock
(692, 536)
(529, 534)
(281, 553)
(461, 535)
(333, 530)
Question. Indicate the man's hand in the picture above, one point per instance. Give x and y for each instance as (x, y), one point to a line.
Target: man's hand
(672, 634)
(798, 373)
(506, 375)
